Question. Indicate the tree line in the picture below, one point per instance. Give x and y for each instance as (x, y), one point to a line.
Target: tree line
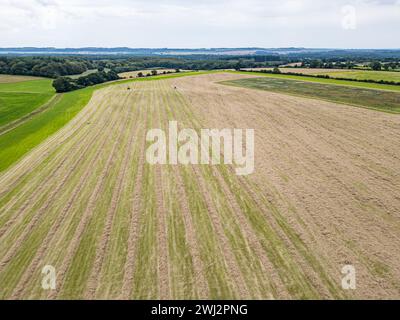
(65, 84)
(54, 67)
(349, 64)
(50, 67)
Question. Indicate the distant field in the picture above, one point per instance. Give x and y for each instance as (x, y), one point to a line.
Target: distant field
(299, 70)
(341, 73)
(312, 71)
(257, 69)
(18, 99)
(372, 99)
(293, 64)
(86, 73)
(347, 83)
(8, 78)
(365, 75)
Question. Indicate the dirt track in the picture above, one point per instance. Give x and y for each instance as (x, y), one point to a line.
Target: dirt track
(324, 194)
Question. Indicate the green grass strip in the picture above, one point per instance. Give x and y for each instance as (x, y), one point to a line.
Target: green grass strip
(14, 105)
(33, 86)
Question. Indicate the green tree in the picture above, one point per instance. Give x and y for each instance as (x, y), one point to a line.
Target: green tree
(64, 84)
(276, 70)
(315, 64)
(376, 65)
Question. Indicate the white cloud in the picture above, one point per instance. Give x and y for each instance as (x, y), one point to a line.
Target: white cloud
(189, 23)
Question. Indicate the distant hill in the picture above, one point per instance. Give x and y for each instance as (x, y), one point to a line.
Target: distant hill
(292, 52)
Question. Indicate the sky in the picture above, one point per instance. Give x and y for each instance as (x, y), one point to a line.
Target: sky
(200, 23)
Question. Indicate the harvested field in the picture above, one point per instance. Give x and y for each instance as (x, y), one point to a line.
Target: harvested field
(324, 194)
(7, 78)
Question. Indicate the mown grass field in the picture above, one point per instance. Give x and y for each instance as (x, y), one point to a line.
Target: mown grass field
(368, 98)
(87, 202)
(26, 135)
(104, 243)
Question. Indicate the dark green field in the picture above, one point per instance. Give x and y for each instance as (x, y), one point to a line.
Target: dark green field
(367, 98)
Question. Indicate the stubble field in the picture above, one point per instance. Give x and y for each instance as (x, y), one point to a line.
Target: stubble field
(7, 78)
(324, 194)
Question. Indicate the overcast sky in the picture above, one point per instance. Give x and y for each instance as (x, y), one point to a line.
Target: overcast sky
(200, 23)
